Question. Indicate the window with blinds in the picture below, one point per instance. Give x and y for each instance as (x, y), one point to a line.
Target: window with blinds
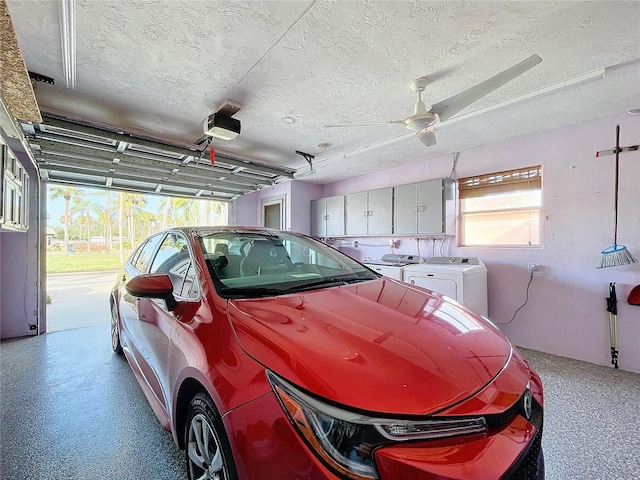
(502, 208)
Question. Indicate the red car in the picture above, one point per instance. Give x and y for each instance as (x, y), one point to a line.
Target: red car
(270, 355)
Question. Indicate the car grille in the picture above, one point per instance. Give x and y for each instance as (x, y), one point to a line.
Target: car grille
(527, 468)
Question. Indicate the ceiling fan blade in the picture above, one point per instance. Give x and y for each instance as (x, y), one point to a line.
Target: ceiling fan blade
(427, 136)
(360, 124)
(452, 105)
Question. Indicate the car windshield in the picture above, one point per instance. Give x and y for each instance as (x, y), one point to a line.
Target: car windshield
(255, 264)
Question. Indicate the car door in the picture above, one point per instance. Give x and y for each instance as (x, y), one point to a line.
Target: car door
(156, 322)
(130, 329)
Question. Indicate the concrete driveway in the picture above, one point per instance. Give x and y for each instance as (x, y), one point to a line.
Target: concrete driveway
(78, 299)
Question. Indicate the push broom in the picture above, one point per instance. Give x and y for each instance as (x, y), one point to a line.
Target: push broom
(615, 255)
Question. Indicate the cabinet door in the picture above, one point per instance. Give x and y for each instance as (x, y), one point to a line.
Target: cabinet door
(380, 212)
(357, 213)
(406, 208)
(318, 218)
(430, 207)
(335, 216)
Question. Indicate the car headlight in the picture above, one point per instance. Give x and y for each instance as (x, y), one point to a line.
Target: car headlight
(345, 439)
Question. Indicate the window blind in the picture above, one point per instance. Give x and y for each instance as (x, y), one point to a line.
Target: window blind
(528, 178)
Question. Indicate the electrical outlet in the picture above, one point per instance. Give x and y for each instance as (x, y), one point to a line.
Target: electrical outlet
(354, 243)
(535, 268)
(392, 243)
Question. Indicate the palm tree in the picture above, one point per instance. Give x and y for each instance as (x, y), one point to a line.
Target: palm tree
(67, 193)
(120, 225)
(133, 204)
(165, 206)
(105, 219)
(82, 205)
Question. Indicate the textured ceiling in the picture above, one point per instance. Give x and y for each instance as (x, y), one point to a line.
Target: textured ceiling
(159, 68)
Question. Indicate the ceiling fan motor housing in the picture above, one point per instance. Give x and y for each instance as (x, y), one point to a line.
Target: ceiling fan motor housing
(420, 121)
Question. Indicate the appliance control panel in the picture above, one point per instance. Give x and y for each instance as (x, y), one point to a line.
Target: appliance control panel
(452, 261)
(400, 258)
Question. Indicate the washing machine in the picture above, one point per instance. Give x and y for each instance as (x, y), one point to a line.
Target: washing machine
(391, 265)
(462, 278)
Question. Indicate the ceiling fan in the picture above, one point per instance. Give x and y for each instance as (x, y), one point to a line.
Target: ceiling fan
(423, 121)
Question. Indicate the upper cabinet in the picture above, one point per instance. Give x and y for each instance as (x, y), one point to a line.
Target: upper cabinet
(327, 217)
(425, 208)
(370, 213)
(14, 180)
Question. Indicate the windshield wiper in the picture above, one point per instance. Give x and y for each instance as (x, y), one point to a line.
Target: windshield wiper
(327, 282)
(240, 292)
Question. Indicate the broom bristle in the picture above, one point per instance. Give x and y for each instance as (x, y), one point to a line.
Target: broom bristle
(615, 256)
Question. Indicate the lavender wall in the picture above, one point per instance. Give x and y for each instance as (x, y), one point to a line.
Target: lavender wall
(20, 297)
(298, 205)
(247, 211)
(566, 313)
(302, 193)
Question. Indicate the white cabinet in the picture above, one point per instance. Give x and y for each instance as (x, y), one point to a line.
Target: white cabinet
(370, 213)
(327, 217)
(14, 180)
(425, 208)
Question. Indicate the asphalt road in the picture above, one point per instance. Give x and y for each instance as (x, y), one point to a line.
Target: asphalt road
(78, 299)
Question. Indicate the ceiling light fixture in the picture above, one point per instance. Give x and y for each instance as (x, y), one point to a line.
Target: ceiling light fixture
(68, 40)
(288, 119)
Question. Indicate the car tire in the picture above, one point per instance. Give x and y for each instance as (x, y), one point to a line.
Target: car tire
(204, 428)
(115, 329)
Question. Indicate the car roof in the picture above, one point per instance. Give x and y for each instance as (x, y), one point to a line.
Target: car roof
(239, 229)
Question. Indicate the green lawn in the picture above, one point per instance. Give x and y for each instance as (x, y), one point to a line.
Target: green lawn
(58, 262)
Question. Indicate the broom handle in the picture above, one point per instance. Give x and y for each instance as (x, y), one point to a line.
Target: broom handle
(615, 216)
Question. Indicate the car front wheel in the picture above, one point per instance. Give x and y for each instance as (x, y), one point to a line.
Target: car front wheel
(208, 453)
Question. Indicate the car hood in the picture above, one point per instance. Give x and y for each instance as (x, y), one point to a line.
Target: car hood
(380, 346)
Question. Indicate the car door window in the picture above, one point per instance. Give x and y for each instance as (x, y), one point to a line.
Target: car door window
(143, 260)
(174, 259)
(190, 286)
(172, 249)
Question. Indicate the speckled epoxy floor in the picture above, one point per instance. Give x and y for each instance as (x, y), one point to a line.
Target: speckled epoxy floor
(71, 409)
(592, 419)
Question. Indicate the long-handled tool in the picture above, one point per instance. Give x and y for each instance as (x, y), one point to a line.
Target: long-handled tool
(616, 255)
(612, 308)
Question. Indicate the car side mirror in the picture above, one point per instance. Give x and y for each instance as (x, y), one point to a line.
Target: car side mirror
(153, 285)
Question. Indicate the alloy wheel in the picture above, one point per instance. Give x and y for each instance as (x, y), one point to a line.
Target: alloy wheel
(204, 452)
(115, 332)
